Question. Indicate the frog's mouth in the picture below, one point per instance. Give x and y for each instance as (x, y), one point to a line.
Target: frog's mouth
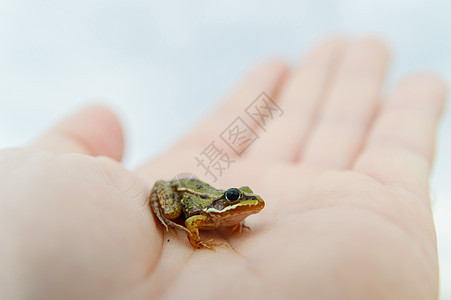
(246, 207)
(235, 213)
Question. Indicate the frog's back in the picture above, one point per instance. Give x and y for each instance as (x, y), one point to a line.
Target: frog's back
(195, 195)
(193, 185)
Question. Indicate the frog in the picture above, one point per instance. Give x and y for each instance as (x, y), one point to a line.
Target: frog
(201, 206)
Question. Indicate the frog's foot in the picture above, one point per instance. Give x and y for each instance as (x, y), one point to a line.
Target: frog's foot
(162, 221)
(168, 223)
(240, 227)
(193, 223)
(210, 244)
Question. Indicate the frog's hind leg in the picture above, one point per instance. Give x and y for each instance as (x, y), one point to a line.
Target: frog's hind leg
(193, 224)
(155, 206)
(173, 224)
(166, 205)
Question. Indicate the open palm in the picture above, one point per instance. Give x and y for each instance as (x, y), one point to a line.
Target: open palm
(344, 177)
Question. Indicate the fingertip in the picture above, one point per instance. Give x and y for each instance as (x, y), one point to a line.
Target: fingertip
(328, 50)
(428, 86)
(331, 43)
(100, 129)
(368, 54)
(94, 130)
(274, 63)
(268, 71)
(267, 76)
(427, 80)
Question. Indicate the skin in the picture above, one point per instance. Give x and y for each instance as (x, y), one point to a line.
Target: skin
(344, 177)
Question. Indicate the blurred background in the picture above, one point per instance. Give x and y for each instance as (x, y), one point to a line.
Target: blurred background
(163, 65)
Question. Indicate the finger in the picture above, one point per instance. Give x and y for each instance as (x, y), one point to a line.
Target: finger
(299, 99)
(93, 131)
(266, 78)
(202, 151)
(400, 147)
(348, 110)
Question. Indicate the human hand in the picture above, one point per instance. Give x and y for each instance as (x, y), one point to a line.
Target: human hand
(345, 183)
(344, 177)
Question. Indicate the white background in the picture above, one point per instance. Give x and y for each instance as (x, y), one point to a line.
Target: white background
(162, 65)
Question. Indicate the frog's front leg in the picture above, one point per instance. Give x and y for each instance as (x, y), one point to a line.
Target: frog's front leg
(240, 228)
(165, 204)
(193, 224)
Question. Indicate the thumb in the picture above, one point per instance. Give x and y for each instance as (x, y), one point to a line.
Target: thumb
(94, 130)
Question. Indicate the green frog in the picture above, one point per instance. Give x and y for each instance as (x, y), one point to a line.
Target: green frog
(201, 206)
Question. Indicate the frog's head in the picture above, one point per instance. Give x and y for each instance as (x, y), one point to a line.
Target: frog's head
(234, 206)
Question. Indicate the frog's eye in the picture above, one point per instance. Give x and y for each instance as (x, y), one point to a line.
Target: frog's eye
(232, 194)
